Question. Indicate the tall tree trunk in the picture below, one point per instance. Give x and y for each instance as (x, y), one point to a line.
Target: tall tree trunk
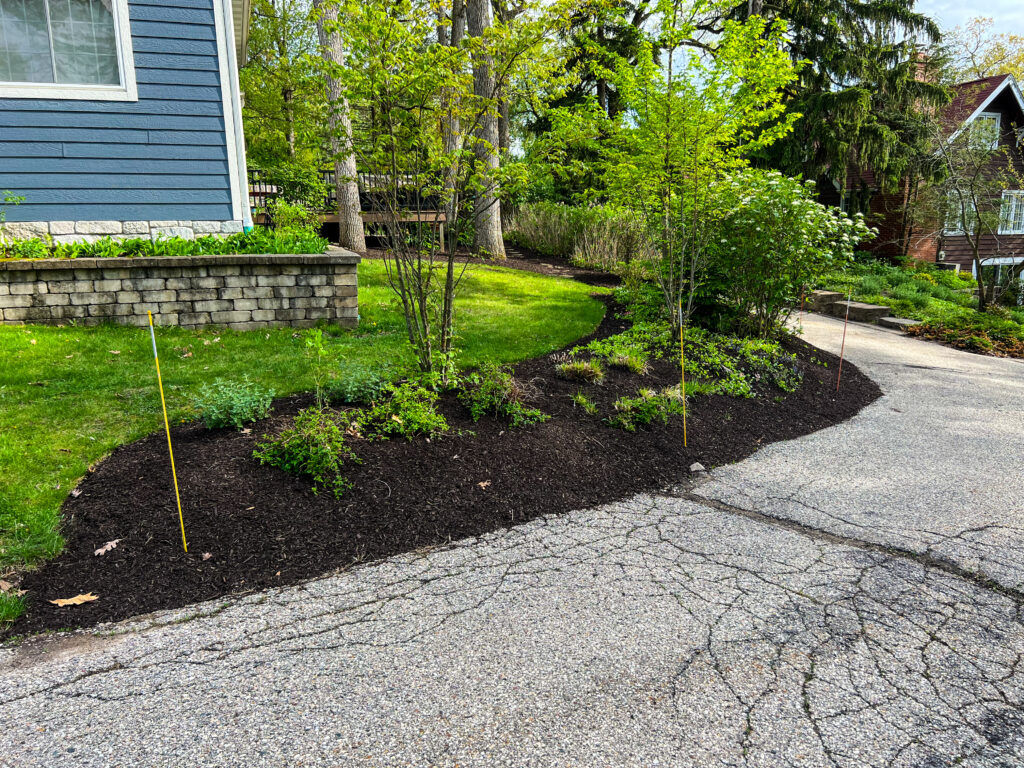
(486, 208)
(451, 34)
(350, 224)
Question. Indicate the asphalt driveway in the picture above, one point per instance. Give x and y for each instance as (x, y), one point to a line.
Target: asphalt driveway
(851, 598)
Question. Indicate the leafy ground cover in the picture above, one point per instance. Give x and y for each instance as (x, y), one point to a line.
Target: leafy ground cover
(258, 240)
(70, 395)
(942, 300)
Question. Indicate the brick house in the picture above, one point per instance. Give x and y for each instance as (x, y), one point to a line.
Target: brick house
(995, 101)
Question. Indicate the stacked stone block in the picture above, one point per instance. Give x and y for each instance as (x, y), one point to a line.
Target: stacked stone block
(242, 292)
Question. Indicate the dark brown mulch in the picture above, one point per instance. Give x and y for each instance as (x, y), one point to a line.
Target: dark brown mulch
(251, 527)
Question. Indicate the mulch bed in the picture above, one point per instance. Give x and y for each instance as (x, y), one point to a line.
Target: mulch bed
(251, 527)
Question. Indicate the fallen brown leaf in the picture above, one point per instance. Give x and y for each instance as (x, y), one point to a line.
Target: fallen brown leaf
(115, 351)
(88, 597)
(75, 492)
(484, 483)
(32, 341)
(106, 547)
(207, 555)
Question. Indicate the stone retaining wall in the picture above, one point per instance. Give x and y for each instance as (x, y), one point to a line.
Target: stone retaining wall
(241, 291)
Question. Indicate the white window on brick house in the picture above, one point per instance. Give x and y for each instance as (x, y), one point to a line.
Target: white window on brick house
(66, 49)
(1011, 217)
(985, 131)
(960, 215)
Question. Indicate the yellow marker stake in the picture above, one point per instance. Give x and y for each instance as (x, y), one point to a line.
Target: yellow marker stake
(682, 369)
(167, 426)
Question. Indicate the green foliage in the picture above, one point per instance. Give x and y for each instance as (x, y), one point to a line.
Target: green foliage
(11, 607)
(232, 403)
(358, 384)
(297, 184)
(582, 401)
(314, 446)
(494, 390)
(292, 218)
(632, 361)
(686, 120)
(735, 366)
(409, 410)
(593, 237)
(940, 298)
(257, 240)
(285, 104)
(640, 342)
(774, 239)
(589, 370)
(644, 409)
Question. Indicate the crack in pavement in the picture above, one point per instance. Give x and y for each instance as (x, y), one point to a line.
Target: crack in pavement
(763, 618)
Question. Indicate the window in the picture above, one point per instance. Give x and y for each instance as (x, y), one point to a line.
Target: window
(960, 214)
(985, 131)
(66, 49)
(1011, 217)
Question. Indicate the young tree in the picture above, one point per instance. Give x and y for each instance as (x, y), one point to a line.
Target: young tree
(682, 126)
(420, 118)
(350, 224)
(974, 169)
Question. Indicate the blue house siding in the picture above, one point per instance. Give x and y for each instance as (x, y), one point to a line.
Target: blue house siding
(164, 157)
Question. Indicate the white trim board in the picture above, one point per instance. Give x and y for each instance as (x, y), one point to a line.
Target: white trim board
(127, 91)
(232, 106)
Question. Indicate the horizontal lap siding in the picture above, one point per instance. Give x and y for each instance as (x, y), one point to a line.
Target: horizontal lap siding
(956, 247)
(163, 157)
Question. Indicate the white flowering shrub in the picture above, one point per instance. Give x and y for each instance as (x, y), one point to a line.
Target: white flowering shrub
(774, 241)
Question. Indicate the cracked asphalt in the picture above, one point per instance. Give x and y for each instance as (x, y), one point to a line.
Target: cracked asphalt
(851, 598)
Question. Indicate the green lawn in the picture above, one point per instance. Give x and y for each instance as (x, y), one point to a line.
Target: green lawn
(69, 395)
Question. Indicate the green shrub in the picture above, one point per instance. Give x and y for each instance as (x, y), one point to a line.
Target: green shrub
(297, 183)
(494, 390)
(409, 409)
(596, 237)
(644, 409)
(257, 240)
(232, 403)
(774, 239)
(314, 446)
(589, 371)
(292, 217)
(358, 384)
(912, 294)
(871, 285)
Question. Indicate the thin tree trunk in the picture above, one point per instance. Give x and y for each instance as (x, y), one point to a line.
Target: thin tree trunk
(486, 208)
(350, 224)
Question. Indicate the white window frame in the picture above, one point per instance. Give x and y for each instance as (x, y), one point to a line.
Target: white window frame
(1008, 195)
(998, 116)
(126, 91)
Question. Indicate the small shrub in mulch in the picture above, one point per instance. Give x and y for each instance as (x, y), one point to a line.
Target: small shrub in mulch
(460, 472)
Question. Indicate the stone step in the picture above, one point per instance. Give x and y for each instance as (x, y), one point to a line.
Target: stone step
(821, 300)
(859, 312)
(897, 323)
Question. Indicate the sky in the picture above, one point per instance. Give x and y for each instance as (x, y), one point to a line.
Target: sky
(1008, 14)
